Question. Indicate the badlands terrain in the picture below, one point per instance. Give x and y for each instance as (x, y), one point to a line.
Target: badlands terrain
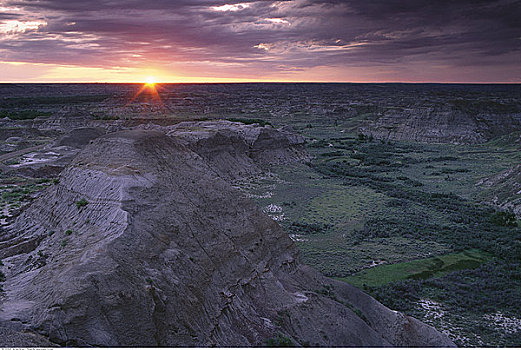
(234, 214)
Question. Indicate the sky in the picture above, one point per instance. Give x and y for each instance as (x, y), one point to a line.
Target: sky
(243, 41)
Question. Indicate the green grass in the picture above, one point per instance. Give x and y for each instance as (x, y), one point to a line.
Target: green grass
(11, 193)
(309, 199)
(343, 206)
(418, 269)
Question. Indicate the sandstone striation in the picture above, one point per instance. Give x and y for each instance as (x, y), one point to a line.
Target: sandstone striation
(143, 242)
(441, 124)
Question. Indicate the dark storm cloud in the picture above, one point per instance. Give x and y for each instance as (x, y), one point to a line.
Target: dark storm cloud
(8, 16)
(266, 35)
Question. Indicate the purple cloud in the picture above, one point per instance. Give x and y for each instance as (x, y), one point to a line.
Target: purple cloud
(266, 37)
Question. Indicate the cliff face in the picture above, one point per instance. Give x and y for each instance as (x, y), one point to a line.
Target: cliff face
(144, 243)
(441, 124)
(237, 150)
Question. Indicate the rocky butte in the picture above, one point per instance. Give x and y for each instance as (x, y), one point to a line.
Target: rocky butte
(144, 242)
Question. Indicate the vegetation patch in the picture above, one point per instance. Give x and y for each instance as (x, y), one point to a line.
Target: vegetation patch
(22, 191)
(279, 341)
(504, 218)
(308, 229)
(81, 203)
(409, 235)
(469, 298)
(418, 269)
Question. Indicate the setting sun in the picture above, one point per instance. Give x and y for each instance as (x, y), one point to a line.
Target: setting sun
(150, 81)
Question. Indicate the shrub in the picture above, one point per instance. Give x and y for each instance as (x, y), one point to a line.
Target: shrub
(81, 203)
(504, 218)
(332, 154)
(306, 229)
(279, 341)
(68, 232)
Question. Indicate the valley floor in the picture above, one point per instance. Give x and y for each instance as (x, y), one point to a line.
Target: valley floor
(405, 222)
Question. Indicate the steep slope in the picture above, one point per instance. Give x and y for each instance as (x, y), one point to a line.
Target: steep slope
(142, 243)
(444, 123)
(238, 150)
(504, 189)
(79, 138)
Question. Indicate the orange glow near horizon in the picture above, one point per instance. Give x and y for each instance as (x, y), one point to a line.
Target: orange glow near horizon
(150, 81)
(24, 72)
(150, 90)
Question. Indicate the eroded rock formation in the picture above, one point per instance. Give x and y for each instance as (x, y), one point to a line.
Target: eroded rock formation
(441, 124)
(504, 189)
(144, 243)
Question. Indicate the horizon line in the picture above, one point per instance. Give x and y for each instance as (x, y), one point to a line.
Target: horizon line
(263, 82)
